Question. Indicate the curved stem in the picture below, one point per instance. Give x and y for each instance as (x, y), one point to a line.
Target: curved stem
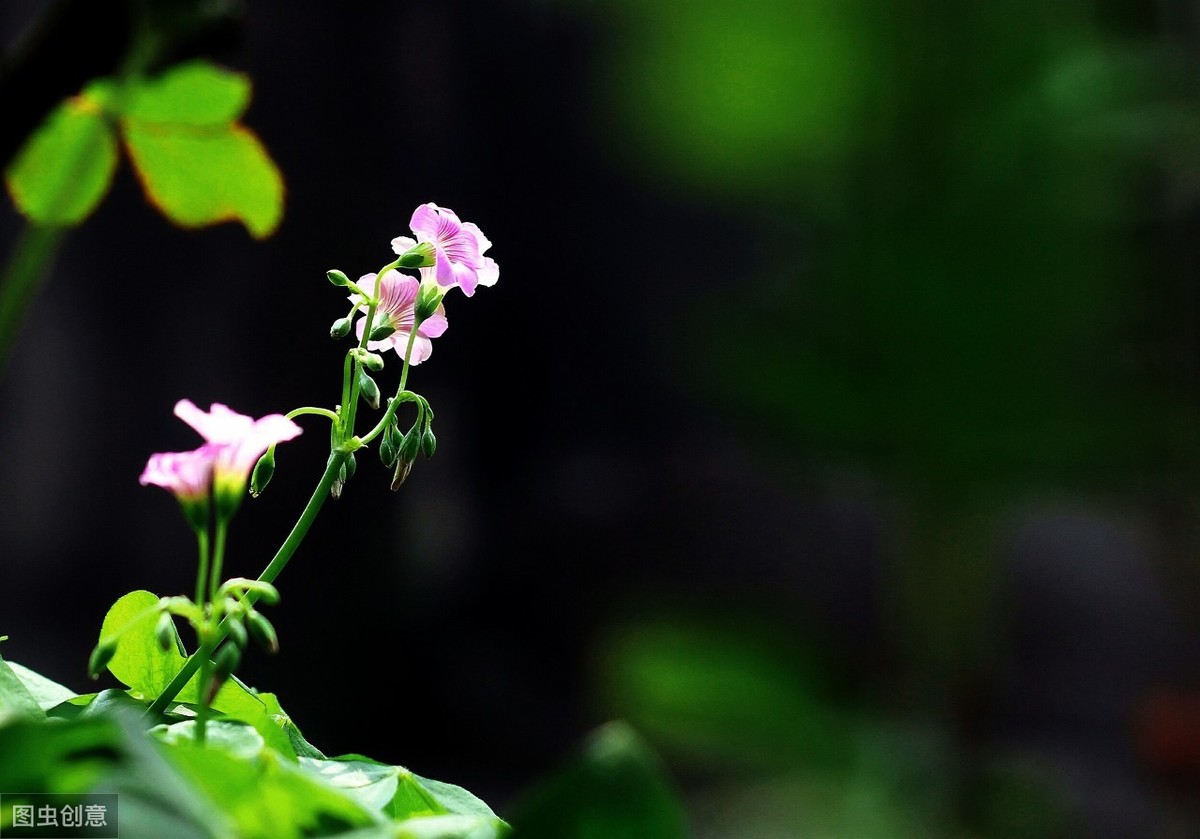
(273, 569)
(319, 412)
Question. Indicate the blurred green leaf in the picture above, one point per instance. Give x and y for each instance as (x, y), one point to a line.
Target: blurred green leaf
(66, 167)
(196, 93)
(196, 162)
(202, 178)
(723, 695)
(615, 788)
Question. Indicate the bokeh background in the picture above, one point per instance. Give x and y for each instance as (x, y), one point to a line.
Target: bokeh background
(834, 420)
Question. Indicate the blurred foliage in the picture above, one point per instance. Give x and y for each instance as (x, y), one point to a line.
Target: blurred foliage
(197, 163)
(614, 788)
(773, 748)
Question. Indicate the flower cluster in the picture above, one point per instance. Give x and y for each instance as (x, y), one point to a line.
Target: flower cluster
(221, 467)
(448, 253)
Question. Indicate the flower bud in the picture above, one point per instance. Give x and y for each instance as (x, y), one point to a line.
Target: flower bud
(101, 656)
(351, 465)
(429, 297)
(387, 451)
(165, 632)
(368, 389)
(340, 328)
(410, 445)
(337, 278)
(382, 331)
(428, 442)
(262, 631)
(421, 256)
(403, 467)
(372, 361)
(237, 632)
(263, 470)
(227, 659)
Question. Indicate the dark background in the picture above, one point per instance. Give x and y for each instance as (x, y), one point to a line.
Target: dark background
(833, 418)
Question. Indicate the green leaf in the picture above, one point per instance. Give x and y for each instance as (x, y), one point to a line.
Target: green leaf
(16, 701)
(234, 738)
(267, 796)
(199, 177)
(615, 788)
(297, 746)
(455, 827)
(395, 791)
(66, 167)
(142, 665)
(47, 692)
(455, 799)
(194, 93)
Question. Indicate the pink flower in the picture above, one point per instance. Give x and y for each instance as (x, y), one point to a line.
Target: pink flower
(458, 246)
(397, 299)
(186, 474)
(237, 442)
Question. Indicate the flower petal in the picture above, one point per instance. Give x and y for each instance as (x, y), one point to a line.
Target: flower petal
(489, 273)
(432, 326)
(403, 244)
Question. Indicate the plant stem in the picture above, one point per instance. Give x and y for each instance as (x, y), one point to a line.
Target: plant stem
(202, 571)
(202, 713)
(31, 257)
(218, 559)
(273, 570)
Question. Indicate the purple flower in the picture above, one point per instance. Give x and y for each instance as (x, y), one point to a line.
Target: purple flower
(397, 300)
(458, 248)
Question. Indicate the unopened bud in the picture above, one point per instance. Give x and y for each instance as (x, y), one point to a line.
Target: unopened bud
(403, 467)
(340, 328)
(410, 445)
(165, 632)
(372, 361)
(226, 660)
(237, 632)
(368, 389)
(263, 470)
(387, 451)
(351, 465)
(384, 330)
(100, 657)
(262, 631)
(428, 442)
(421, 256)
(428, 299)
(337, 278)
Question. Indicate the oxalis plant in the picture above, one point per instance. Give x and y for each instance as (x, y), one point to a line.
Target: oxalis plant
(224, 759)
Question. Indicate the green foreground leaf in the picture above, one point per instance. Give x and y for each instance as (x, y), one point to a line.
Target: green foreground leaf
(66, 167)
(142, 665)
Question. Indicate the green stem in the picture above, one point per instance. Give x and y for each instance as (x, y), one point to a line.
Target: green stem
(218, 559)
(202, 712)
(202, 571)
(395, 403)
(273, 570)
(320, 412)
(350, 405)
(30, 259)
